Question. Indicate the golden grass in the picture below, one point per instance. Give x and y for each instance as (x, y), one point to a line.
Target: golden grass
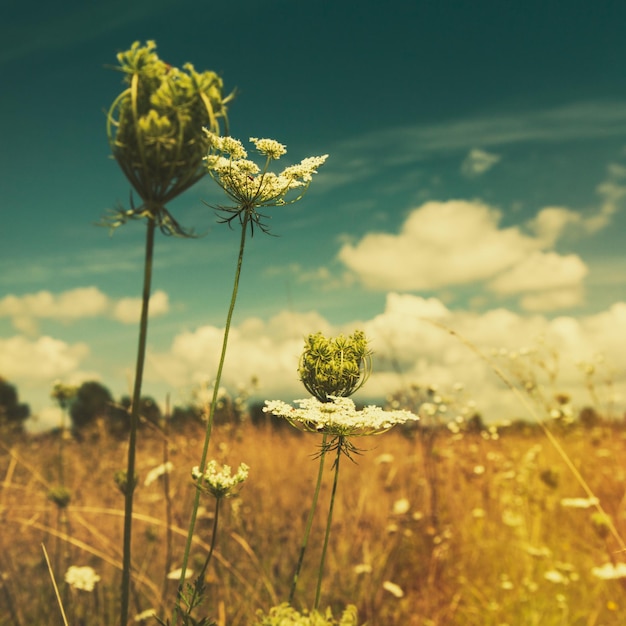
(500, 549)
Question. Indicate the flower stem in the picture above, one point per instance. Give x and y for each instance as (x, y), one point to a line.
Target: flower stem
(209, 426)
(134, 420)
(328, 523)
(309, 523)
(199, 585)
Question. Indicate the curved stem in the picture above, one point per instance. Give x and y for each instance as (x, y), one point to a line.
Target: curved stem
(209, 426)
(134, 420)
(328, 523)
(199, 585)
(309, 523)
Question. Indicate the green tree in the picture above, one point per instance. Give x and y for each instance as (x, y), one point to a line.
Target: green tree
(13, 413)
(92, 400)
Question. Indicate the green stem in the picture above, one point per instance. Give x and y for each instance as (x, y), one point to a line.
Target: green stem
(309, 523)
(328, 523)
(134, 420)
(200, 579)
(209, 427)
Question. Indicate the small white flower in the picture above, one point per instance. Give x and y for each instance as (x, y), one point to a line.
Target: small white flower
(401, 506)
(608, 571)
(554, 576)
(363, 568)
(219, 482)
(157, 472)
(175, 574)
(579, 503)
(393, 589)
(83, 578)
(269, 147)
(144, 615)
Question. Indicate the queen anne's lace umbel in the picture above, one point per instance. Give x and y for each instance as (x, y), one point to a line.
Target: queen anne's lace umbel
(221, 483)
(338, 417)
(251, 187)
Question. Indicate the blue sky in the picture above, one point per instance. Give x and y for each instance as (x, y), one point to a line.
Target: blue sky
(477, 175)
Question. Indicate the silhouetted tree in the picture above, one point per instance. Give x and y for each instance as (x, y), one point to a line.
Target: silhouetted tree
(92, 400)
(13, 413)
(148, 410)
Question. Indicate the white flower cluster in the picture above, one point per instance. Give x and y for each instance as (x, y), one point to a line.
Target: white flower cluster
(219, 482)
(339, 417)
(83, 578)
(243, 180)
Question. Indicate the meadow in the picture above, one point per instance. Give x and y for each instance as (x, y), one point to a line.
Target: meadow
(429, 528)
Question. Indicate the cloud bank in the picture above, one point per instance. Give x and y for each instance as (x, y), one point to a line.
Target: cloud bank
(447, 244)
(82, 303)
(411, 344)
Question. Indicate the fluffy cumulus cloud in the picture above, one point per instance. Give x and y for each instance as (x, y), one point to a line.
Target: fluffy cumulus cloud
(446, 244)
(39, 361)
(415, 340)
(477, 162)
(84, 302)
(128, 310)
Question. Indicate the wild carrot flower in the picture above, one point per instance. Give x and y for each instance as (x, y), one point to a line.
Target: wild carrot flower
(83, 578)
(251, 187)
(610, 571)
(155, 130)
(219, 482)
(332, 369)
(338, 417)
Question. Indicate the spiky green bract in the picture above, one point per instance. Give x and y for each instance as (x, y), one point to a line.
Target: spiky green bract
(155, 132)
(335, 366)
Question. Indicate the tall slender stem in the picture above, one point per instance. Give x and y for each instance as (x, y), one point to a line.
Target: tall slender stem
(200, 579)
(209, 426)
(309, 523)
(328, 524)
(134, 420)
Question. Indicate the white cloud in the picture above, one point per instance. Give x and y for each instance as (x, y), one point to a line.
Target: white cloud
(478, 162)
(407, 348)
(552, 300)
(550, 222)
(541, 271)
(42, 360)
(440, 244)
(445, 244)
(81, 303)
(128, 310)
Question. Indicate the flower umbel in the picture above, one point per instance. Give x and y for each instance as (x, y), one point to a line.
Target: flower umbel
(251, 187)
(338, 417)
(219, 482)
(335, 366)
(83, 578)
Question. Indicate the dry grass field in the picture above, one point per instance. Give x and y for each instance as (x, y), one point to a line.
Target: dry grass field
(468, 530)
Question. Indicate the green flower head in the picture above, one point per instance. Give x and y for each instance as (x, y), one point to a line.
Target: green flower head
(336, 366)
(155, 130)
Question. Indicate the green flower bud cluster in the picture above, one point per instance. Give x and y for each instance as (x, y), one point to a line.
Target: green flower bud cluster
(155, 128)
(60, 495)
(63, 394)
(335, 367)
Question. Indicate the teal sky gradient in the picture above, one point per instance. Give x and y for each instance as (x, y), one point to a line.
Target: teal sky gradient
(512, 107)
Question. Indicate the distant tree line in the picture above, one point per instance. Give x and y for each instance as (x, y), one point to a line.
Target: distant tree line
(93, 407)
